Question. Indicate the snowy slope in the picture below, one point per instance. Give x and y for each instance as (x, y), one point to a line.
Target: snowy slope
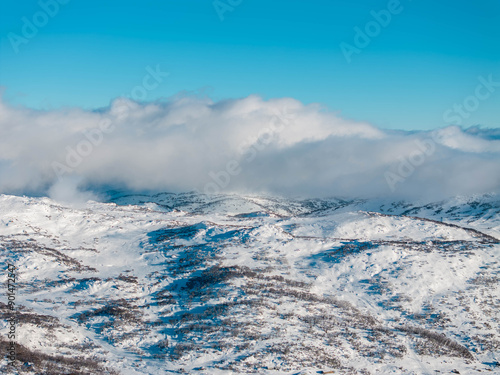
(188, 283)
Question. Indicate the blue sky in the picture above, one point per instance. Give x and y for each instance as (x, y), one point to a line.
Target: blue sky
(427, 58)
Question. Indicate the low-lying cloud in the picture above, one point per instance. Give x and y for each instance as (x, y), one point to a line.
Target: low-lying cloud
(248, 145)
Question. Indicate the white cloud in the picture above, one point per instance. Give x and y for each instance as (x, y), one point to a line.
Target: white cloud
(278, 146)
(66, 190)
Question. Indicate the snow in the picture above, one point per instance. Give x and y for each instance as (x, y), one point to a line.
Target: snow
(245, 284)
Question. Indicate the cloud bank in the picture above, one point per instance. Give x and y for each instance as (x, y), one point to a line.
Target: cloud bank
(249, 145)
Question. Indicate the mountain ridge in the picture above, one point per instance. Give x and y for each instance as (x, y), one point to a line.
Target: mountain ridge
(173, 283)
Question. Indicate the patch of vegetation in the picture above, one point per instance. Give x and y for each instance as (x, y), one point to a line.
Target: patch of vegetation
(30, 361)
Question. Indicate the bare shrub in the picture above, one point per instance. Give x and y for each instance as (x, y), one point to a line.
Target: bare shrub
(440, 339)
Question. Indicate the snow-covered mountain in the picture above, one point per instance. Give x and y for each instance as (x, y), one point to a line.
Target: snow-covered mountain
(188, 283)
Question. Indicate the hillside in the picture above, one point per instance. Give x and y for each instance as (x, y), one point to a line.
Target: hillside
(188, 283)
